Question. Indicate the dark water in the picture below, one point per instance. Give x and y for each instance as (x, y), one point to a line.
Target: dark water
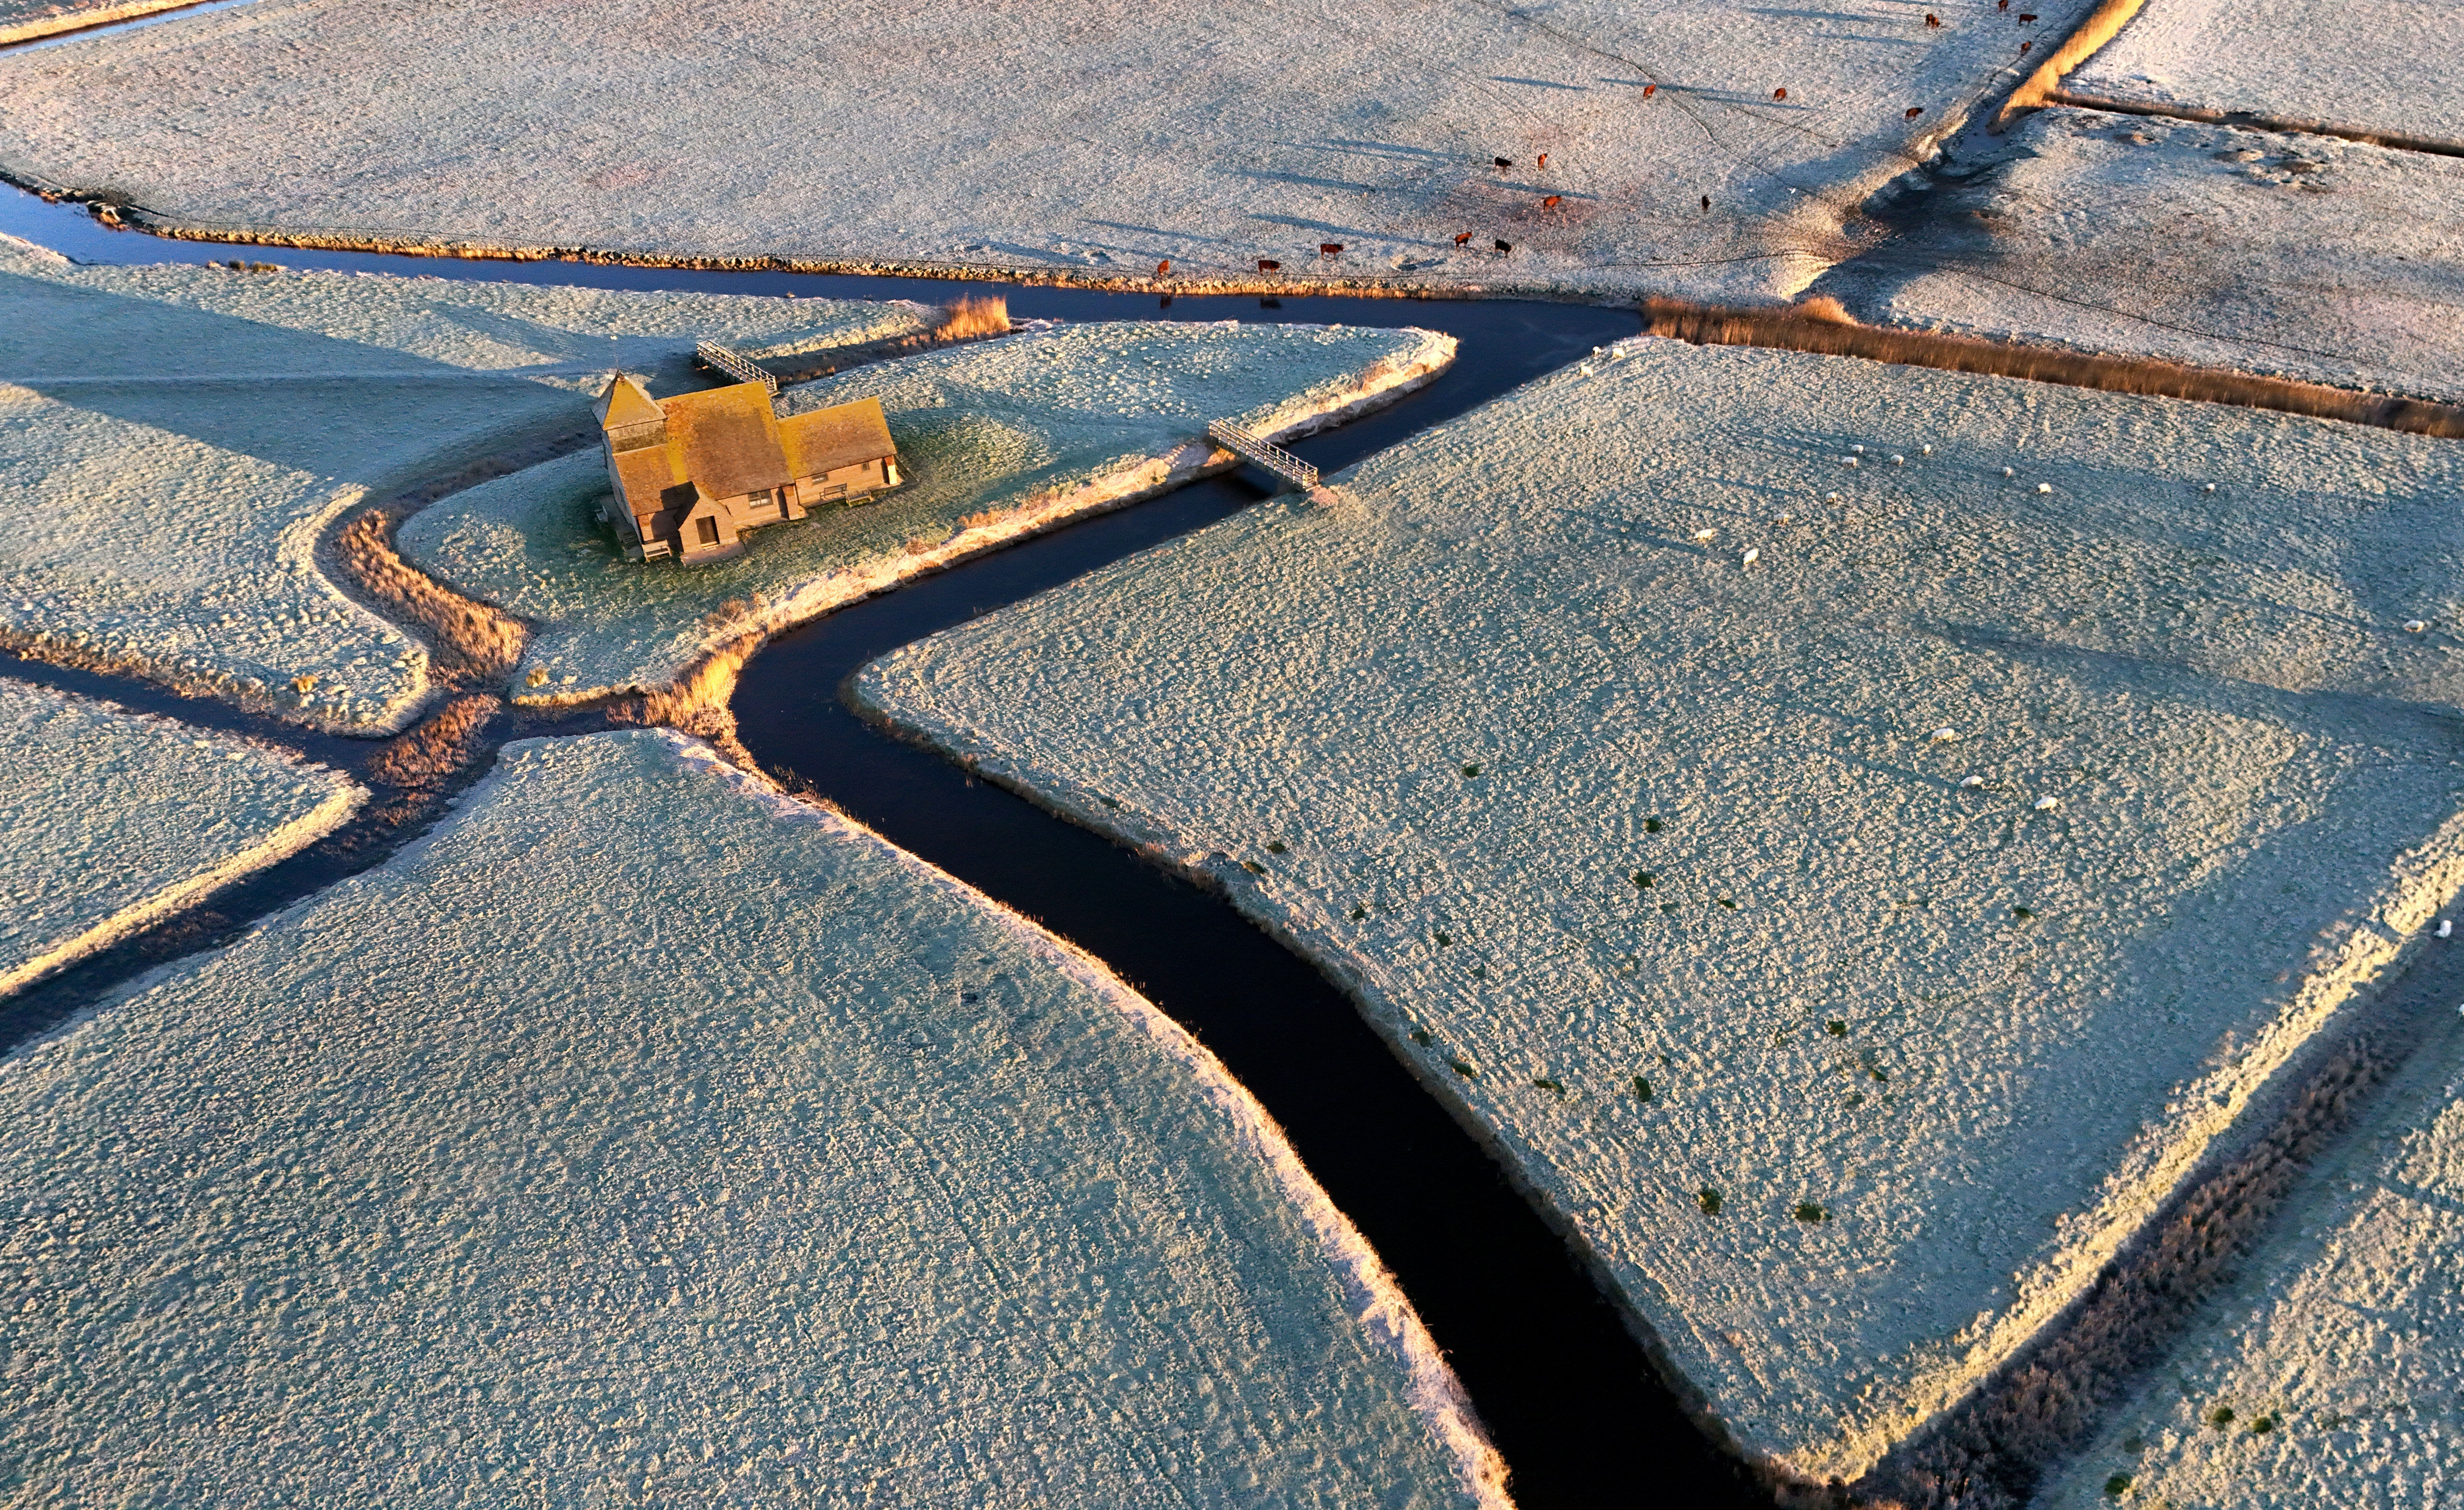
(1567, 1392)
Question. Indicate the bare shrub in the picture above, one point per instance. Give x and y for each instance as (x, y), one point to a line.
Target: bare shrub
(1825, 308)
(475, 645)
(1801, 330)
(970, 317)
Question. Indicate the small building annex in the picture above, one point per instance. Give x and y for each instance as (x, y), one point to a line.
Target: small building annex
(693, 473)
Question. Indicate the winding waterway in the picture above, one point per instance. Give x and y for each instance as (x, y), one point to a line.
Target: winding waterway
(1568, 1393)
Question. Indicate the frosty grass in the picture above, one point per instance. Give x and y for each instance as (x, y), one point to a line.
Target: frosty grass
(114, 819)
(643, 1134)
(2330, 1374)
(1852, 886)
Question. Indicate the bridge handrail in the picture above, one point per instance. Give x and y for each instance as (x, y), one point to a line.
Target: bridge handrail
(1264, 453)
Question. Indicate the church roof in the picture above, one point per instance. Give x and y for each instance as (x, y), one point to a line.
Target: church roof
(844, 435)
(727, 439)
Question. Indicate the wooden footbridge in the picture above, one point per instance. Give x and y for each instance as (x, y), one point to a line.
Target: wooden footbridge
(1264, 453)
(732, 364)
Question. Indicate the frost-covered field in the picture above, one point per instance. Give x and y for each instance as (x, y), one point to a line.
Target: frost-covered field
(114, 819)
(1851, 916)
(2310, 256)
(643, 1135)
(1093, 137)
(2332, 1375)
(998, 439)
(2385, 68)
(175, 439)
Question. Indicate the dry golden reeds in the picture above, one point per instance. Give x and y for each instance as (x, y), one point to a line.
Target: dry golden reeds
(970, 317)
(1820, 325)
(475, 645)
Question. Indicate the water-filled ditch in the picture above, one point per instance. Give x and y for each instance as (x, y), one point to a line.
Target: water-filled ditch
(1568, 1393)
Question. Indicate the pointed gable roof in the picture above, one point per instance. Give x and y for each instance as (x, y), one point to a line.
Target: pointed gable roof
(626, 402)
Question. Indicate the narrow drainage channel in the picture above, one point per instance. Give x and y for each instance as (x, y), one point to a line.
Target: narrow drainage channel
(1568, 1394)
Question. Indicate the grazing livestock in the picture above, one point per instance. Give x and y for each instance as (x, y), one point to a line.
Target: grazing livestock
(1506, 161)
(1544, 160)
(1649, 90)
(1163, 269)
(1915, 111)
(1329, 249)
(1779, 94)
(2002, 5)
(2023, 48)
(1507, 247)
(1932, 20)
(2025, 17)
(1268, 264)
(1461, 237)
(1706, 204)
(1552, 201)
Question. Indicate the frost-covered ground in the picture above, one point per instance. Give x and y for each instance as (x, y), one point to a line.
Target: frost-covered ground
(115, 819)
(2383, 68)
(175, 439)
(2334, 1373)
(1092, 138)
(996, 439)
(645, 1137)
(2310, 256)
(1851, 917)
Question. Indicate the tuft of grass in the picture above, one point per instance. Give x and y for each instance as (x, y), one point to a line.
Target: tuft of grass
(1462, 1069)
(1645, 880)
(1444, 940)
(1668, 906)
(1545, 1083)
(1808, 1211)
(2022, 912)
(1651, 825)
(1729, 902)
(2220, 1417)
(1470, 772)
(1275, 846)
(2262, 1426)
(1836, 1028)
(1253, 867)
(1642, 1090)
(1109, 802)
(1708, 1199)
(1423, 1036)
(1360, 914)
(2118, 1485)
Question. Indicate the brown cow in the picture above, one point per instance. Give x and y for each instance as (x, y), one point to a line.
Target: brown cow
(1268, 264)
(1329, 249)
(1932, 20)
(1461, 237)
(1915, 111)
(1163, 269)
(1544, 160)
(1552, 201)
(1779, 94)
(1507, 247)
(1649, 90)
